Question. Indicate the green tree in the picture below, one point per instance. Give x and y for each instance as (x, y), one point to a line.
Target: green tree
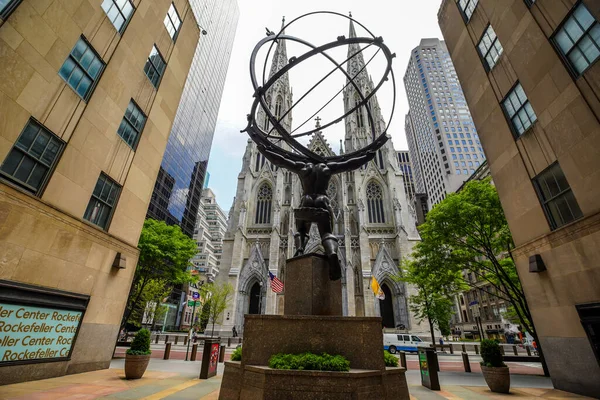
(216, 299)
(468, 230)
(150, 298)
(435, 289)
(165, 254)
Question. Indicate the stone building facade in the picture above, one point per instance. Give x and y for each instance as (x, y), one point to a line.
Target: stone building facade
(530, 73)
(373, 221)
(87, 95)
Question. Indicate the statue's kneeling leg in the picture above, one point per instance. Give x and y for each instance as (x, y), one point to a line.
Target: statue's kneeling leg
(330, 244)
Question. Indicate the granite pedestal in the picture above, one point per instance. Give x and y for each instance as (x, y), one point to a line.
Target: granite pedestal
(322, 329)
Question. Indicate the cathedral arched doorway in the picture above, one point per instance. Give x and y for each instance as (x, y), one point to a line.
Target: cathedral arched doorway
(254, 303)
(387, 308)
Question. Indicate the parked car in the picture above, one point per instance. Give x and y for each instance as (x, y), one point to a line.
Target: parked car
(394, 342)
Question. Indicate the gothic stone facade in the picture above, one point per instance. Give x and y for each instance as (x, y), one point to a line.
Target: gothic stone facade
(373, 220)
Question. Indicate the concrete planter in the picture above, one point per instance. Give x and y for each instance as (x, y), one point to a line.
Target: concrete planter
(135, 366)
(497, 378)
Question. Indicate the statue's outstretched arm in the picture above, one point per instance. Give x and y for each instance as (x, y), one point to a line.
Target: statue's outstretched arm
(279, 160)
(355, 162)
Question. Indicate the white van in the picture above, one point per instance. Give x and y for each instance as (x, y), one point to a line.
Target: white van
(394, 342)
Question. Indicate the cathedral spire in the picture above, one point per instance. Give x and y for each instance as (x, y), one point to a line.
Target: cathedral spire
(357, 62)
(280, 58)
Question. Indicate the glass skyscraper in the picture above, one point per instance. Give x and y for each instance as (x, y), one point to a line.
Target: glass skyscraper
(178, 188)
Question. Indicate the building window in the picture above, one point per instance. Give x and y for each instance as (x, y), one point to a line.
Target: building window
(104, 198)
(375, 203)
(118, 12)
(33, 157)
(82, 69)
(278, 107)
(578, 39)
(359, 115)
(172, 22)
(7, 7)
(260, 161)
(519, 110)
(557, 197)
(264, 198)
(467, 7)
(132, 124)
(155, 67)
(489, 48)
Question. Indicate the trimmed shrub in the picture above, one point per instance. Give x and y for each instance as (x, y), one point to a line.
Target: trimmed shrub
(389, 359)
(491, 354)
(237, 354)
(141, 344)
(309, 361)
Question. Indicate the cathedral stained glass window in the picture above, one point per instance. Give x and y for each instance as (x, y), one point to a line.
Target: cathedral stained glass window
(264, 198)
(375, 203)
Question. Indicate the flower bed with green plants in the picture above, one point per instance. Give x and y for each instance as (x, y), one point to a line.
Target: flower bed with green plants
(309, 361)
(141, 344)
(491, 354)
(237, 354)
(389, 359)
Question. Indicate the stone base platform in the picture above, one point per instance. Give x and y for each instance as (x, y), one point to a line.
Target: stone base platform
(263, 383)
(359, 339)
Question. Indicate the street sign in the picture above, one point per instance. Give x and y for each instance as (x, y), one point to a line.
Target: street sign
(473, 303)
(195, 295)
(190, 303)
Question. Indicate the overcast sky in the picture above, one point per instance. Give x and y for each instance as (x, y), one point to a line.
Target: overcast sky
(401, 23)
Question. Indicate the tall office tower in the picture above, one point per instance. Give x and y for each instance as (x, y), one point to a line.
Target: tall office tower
(372, 220)
(85, 96)
(211, 225)
(442, 140)
(533, 75)
(407, 169)
(179, 185)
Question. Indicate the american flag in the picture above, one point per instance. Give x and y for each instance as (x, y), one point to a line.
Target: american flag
(276, 284)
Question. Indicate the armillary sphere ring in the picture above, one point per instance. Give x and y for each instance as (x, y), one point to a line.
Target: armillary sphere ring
(301, 153)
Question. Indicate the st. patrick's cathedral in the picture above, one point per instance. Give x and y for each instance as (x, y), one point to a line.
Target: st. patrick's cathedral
(374, 223)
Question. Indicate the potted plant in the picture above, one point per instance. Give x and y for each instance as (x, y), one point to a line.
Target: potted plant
(137, 356)
(494, 370)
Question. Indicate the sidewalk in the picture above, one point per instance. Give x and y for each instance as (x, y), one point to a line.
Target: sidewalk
(177, 380)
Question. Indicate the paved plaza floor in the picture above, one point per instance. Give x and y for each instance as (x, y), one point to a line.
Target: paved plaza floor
(178, 380)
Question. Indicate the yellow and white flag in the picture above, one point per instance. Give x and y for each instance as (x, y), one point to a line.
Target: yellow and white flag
(377, 289)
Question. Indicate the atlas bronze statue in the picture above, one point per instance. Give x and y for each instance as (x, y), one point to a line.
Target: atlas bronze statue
(315, 170)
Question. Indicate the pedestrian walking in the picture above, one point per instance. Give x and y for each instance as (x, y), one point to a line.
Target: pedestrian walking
(234, 331)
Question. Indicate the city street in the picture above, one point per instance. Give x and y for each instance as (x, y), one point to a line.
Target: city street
(177, 380)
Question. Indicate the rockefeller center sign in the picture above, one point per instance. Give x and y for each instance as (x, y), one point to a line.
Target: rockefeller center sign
(41, 331)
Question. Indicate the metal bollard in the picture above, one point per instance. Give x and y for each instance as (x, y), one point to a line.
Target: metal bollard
(466, 364)
(185, 340)
(476, 349)
(515, 350)
(451, 348)
(166, 338)
(403, 359)
(167, 351)
(464, 348)
(221, 354)
(176, 339)
(157, 337)
(228, 342)
(502, 349)
(528, 350)
(194, 352)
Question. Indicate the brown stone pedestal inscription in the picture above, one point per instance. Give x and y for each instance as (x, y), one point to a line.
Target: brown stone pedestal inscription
(308, 289)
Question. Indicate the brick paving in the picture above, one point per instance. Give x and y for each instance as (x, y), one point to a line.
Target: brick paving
(177, 380)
